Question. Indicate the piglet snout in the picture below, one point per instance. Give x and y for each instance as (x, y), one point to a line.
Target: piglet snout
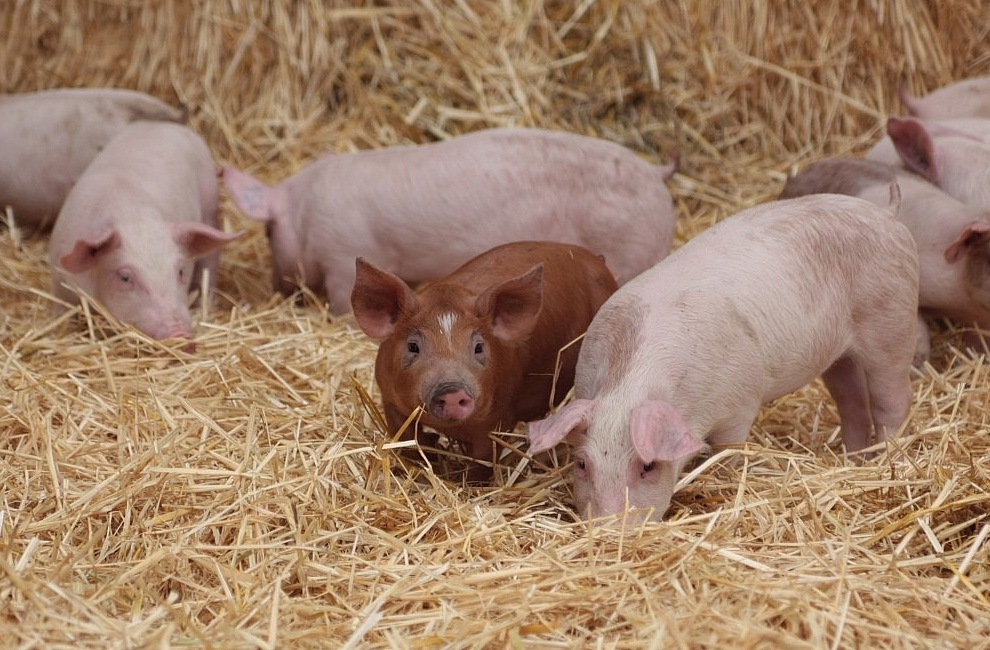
(184, 335)
(451, 402)
(190, 346)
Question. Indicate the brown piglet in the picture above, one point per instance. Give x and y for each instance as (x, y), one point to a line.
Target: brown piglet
(479, 349)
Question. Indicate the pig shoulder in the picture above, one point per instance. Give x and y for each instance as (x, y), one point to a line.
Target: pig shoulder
(614, 337)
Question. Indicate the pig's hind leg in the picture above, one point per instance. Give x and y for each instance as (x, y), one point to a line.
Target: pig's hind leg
(889, 384)
(887, 350)
(846, 382)
(869, 390)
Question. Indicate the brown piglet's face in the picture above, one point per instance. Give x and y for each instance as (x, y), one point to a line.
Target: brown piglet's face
(447, 349)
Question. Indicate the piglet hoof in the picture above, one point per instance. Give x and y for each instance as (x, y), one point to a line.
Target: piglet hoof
(451, 402)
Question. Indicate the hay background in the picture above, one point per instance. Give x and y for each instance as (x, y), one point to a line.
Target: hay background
(243, 496)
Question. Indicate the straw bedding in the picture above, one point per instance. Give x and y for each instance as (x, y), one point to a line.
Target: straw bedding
(244, 495)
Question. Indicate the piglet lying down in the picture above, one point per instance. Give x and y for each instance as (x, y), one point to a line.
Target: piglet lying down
(751, 309)
(138, 226)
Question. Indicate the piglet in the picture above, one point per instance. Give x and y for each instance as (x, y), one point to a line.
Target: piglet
(478, 349)
(421, 211)
(953, 238)
(133, 226)
(967, 98)
(753, 308)
(48, 138)
(953, 154)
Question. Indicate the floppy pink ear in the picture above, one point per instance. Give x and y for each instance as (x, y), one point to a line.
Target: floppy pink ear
(513, 305)
(378, 299)
(547, 433)
(199, 239)
(660, 433)
(87, 252)
(915, 146)
(974, 235)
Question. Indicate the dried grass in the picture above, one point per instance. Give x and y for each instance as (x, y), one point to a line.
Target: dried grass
(244, 495)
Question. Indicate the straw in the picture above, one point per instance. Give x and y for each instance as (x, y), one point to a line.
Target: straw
(246, 494)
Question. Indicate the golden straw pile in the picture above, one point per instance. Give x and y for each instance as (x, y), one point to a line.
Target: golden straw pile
(245, 495)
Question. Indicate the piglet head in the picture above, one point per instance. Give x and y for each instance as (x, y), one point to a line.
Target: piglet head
(618, 465)
(446, 349)
(144, 281)
(955, 160)
(971, 248)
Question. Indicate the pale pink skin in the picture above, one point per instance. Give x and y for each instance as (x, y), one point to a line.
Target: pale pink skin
(757, 306)
(953, 154)
(48, 138)
(135, 224)
(967, 98)
(420, 212)
(953, 238)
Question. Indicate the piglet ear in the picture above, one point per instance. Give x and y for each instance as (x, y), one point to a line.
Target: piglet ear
(198, 239)
(974, 235)
(915, 147)
(253, 197)
(659, 433)
(87, 252)
(378, 299)
(513, 305)
(547, 433)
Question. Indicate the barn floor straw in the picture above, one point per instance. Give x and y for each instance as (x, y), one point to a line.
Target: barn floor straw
(244, 495)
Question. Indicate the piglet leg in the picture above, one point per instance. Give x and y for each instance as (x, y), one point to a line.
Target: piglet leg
(847, 384)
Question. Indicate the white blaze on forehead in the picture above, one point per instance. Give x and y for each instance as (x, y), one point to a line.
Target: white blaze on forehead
(447, 320)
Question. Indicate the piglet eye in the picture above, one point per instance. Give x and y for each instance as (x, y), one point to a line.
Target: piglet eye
(581, 464)
(648, 467)
(124, 277)
(478, 346)
(412, 347)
